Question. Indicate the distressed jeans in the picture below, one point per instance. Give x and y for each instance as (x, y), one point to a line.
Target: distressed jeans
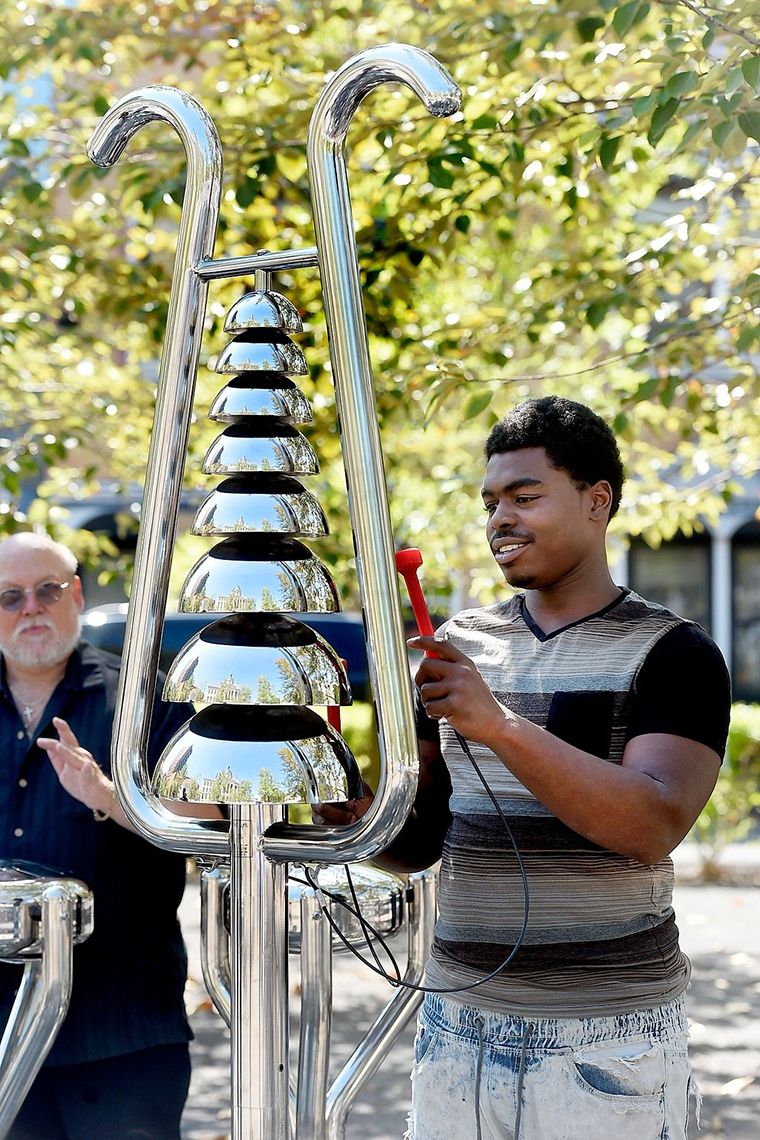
(487, 1076)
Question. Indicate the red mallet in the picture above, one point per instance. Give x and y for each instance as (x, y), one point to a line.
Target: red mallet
(333, 711)
(408, 563)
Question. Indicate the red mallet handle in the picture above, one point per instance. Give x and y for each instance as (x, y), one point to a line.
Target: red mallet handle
(408, 563)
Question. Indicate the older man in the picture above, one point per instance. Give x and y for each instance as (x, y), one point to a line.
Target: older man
(120, 1065)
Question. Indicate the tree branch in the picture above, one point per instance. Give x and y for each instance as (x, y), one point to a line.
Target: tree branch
(705, 15)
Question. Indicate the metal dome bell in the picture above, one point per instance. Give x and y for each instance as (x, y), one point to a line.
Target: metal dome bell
(263, 308)
(279, 575)
(22, 886)
(261, 394)
(264, 754)
(269, 446)
(257, 659)
(380, 894)
(261, 504)
(262, 350)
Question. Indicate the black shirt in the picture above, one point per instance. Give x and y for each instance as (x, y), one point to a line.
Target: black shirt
(129, 976)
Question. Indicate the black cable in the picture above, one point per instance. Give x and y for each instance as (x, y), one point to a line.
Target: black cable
(310, 882)
(368, 940)
(398, 981)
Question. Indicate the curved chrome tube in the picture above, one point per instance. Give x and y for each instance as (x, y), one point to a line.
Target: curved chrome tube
(362, 451)
(215, 943)
(369, 1054)
(184, 329)
(40, 1005)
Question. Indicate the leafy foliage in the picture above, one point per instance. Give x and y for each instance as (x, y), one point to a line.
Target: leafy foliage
(730, 812)
(587, 225)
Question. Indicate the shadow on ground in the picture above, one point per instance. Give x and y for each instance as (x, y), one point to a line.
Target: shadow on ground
(720, 931)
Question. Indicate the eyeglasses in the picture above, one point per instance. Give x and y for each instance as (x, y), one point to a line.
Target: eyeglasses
(46, 594)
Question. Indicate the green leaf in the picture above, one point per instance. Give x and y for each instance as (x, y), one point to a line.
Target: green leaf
(485, 123)
(477, 403)
(749, 121)
(628, 15)
(751, 71)
(747, 337)
(733, 80)
(247, 192)
(31, 191)
(596, 312)
(462, 223)
(608, 151)
(644, 104)
(647, 389)
(721, 131)
(438, 174)
(695, 128)
(587, 27)
(681, 83)
(661, 120)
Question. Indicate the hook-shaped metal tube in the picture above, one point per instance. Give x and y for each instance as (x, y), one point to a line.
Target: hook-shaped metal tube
(179, 359)
(362, 451)
(40, 1006)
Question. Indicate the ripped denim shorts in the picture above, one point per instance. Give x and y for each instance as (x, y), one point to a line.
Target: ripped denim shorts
(487, 1076)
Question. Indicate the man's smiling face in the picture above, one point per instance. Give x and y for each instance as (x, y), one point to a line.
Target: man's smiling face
(539, 528)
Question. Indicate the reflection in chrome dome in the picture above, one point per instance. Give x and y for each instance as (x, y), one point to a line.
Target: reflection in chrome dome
(243, 448)
(258, 659)
(264, 754)
(253, 504)
(261, 394)
(280, 575)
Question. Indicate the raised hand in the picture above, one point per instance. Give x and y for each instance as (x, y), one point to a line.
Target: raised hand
(452, 688)
(77, 769)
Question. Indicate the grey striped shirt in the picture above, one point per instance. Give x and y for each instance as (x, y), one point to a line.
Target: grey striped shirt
(601, 936)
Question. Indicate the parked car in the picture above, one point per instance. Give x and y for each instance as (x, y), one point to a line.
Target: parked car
(104, 626)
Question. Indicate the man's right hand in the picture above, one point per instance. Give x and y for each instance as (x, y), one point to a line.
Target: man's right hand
(351, 811)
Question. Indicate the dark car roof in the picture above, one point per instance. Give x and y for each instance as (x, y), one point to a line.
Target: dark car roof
(104, 626)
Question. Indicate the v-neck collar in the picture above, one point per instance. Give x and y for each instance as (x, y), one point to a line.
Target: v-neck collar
(539, 634)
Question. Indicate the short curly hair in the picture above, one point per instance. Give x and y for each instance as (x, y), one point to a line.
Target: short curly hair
(575, 439)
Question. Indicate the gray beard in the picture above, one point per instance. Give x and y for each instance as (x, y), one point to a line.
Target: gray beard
(46, 656)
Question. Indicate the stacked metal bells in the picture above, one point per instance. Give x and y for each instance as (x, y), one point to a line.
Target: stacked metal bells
(257, 671)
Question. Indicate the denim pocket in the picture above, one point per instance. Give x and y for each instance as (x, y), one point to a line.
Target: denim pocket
(422, 1043)
(429, 1043)
(630, 1071)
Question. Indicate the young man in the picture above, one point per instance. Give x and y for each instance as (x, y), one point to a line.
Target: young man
(598, 721)
(120, 1064)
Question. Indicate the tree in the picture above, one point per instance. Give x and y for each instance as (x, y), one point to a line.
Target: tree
(586, 225)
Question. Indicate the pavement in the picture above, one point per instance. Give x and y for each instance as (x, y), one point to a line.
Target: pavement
(720, 932)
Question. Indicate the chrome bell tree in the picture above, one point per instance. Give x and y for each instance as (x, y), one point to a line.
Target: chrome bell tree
(257, 744)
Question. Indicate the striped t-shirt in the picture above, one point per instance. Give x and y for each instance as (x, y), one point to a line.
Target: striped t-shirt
(601, 935)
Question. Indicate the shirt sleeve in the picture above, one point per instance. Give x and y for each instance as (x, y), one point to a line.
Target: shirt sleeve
(683, 688)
